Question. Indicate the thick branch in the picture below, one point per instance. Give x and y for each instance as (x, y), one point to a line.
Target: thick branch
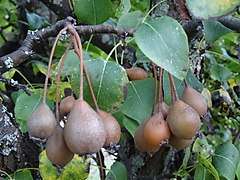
(231, 22)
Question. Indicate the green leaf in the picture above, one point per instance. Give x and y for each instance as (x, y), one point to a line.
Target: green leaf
(35, 21)
(71, 63)
(93, 11)
(192, 81)
(108, 80)
(39, 66)
(130, 124)
(24, 107)
(208, 165)
(123, 8)
(118, 172)
(213, 30)
(139, 102)
(238, 168)
(206, 9)
(160, 40)
(225, 160)
(21, 174)
(220, 73)
(9, 74)
(201, 173)
(75, 169)
(130, 20)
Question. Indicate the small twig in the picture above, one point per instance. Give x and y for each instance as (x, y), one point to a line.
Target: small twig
(14, 83)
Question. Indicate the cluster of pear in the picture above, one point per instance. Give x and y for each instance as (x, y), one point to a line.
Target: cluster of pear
(176, 125)
(85, 132)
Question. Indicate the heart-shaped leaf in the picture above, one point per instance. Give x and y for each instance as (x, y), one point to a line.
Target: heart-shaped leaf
(93, 11)
(164, 41)
(206, 9)
(108, 80)
(139, 102)
(225, 160)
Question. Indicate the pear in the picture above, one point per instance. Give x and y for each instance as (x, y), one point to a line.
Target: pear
(42, 122)
(112, 128)
(179, 144)
(195, 100)
(66, 105)
(84, 131)
(56, 149)
(136, 73)
(183, 120)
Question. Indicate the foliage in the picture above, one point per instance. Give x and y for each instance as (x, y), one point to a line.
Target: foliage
(163, 41)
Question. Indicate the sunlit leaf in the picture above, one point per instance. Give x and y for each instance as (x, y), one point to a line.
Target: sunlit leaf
(160, 39)
(206, 9)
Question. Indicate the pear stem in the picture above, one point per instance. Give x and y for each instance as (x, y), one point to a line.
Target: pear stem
(78, 50)
(185, 82)
(49, 64)
(155, 86)
(59, 76)
(173, 88)
(160, 92)
(99, 153)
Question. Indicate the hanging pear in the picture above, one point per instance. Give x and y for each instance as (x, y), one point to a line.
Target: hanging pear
(42, 122)
(183, 120)
(56, 149)
(84, 131)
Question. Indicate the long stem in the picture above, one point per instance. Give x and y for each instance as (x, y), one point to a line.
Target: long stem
(49, 64)
(160, 93)
(88, 80)
(173, 88)
(78, 50)
(58, 78)
(186, 83)
(155, 86)
(99, 154)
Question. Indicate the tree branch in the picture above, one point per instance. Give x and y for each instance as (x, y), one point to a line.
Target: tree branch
(230, 22)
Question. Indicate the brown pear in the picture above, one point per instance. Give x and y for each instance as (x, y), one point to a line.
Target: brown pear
(183, 120)
(195, 100)
(179, 144)
(112, 128)
(156, 130)
(141, 143)
(42, 122)
(56, 149)
(163, 109)
(66, 105)
(84, 131)
(136, 73)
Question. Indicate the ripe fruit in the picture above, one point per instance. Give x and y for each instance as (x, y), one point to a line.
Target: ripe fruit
(112, 128)
(179, 144)
(163, 108)
(42, 122)
(195, 100)
(140, 142)
(183, 120)
(136, 73)
(84, 131)
(56, 148)
(156, 130)
(66, 105)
